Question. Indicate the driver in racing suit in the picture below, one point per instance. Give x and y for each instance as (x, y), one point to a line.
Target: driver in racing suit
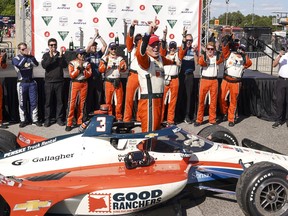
(26, 85)
(236, 61)
(151, 79)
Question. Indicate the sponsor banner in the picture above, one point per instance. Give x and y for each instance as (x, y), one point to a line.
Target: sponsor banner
(63, 20)
(127, 200)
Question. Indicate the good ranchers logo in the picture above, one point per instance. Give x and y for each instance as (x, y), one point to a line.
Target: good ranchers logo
(32, 205)
(96, 6)
(47, 19)
(112, 20)
(63, 34)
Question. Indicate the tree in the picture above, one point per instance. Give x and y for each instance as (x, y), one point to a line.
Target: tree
(7, 7)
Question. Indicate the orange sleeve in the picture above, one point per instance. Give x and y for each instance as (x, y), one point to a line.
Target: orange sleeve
(220, 60)
(181, 53)
(143, 61)
(167, 61)
(88, 71)
(102, 66)
(122, 66)
(163, 52)
(248, 62)
(3, 65)
(129, 42)
(226, 51)
(73, 73)
(201, 61)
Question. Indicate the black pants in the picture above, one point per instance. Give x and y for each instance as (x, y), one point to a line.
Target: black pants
(281, 97)
(95, 96)
(54, 89)
(185, 106)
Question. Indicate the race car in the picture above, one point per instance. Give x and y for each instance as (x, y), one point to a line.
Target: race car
(107, 169)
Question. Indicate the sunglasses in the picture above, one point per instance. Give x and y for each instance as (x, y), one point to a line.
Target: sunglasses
(53, 45)
(210, 48)
(23, 49)
(189, 40)
(113, 48)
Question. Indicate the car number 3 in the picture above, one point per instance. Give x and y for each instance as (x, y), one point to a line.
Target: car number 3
(102, 122)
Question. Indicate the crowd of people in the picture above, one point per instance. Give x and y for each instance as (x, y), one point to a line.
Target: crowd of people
(161, 79)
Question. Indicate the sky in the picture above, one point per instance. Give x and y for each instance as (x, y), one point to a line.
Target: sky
(261, 7)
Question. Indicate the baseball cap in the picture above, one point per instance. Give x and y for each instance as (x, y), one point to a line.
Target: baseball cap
(172, 44)
(80, 51)
(112, 45)
(153, 38)
(242, 46)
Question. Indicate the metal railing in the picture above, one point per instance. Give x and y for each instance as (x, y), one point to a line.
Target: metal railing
(263, 57)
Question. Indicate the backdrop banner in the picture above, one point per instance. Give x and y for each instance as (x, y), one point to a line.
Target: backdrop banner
(65, 20)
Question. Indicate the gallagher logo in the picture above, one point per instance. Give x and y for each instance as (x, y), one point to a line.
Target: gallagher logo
(63, 7)
(99, 202)
(63, 34)
(172, 23)
(172, 10)
(112, 8)
(19, 162)
(47, 5)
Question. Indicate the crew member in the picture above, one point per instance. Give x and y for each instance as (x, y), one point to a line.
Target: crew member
(95, 82)
(171, 80)
(209, 62)
(132, 82)
(112, 65)
(236, 61)
(26, 85)
(79, 71)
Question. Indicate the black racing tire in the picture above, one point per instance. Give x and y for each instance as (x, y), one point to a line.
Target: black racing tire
(262, 189)
(11, 139)
(217, 133)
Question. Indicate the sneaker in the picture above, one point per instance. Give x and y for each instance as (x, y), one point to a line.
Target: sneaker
(3, 126)
(68, 128)
(47, 124)
(187, 120)
(23, 124)
(225, 118)
(38, 124)
(197, 124)
(276, 125)
(60, 123)
(212, 123)
(231, 124)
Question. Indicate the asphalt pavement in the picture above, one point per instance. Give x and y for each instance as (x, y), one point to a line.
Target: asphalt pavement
(199, 203)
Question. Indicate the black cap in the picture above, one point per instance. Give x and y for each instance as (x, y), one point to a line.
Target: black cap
(172, 44)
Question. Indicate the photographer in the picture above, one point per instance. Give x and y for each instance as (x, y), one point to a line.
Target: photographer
(281, 88)
(79, 71)
(111, 65)
(236, 61)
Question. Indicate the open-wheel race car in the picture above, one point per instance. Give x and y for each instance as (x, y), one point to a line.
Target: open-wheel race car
(109, 170)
